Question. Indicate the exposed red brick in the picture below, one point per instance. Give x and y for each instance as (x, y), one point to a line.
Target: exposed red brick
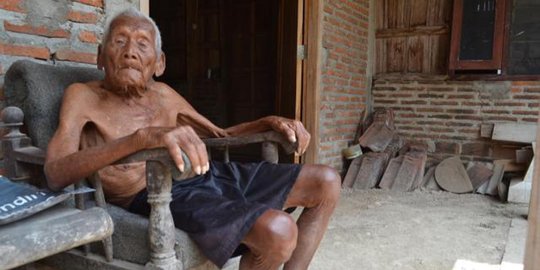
(75, 56)
(413, 102)
(12, 5)
(458, 124)
(532, 90)
(401, 95)
(88, 36)
(496, 111)
(440, 116)
(444, 103)
(441, 130)
(534, 120)
(96, 3)
(525, 83)
(461, 96)
(516, 90)
(36, 30)
(82, 17)
(386, 101)
(441, 89)
(525, 112)
(527, 97)
(25, 50)
(433, 110)
(510, 104)
(430, 96)
(501, 118)
(534, 105)
(468, 117)
(461, 111)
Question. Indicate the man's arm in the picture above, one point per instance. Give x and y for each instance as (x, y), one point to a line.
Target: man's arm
(294, 130)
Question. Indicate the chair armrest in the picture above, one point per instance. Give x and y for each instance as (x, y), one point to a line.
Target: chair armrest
(30, 154)
(268, 136)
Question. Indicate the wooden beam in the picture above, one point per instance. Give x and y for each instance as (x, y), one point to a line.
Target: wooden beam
(532, 248)
(311, 90)
(413, 31)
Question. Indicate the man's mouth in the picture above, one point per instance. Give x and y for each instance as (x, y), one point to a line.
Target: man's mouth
(129, 68)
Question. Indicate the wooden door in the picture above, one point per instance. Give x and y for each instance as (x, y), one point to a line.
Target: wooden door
(205, 58)
(250, 30)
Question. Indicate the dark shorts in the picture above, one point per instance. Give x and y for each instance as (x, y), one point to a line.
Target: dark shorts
(217, 209)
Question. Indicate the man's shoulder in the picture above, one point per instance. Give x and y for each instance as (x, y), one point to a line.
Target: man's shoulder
(83, 89)
(165, 91)
(82, 95)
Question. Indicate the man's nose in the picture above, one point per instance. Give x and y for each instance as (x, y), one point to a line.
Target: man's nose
(129, 50)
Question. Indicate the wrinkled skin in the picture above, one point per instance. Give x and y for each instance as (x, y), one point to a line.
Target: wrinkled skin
(103, 121)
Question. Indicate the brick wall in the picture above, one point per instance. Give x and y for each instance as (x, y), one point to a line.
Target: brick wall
(450, 113)
(58, 32)
(343, 80)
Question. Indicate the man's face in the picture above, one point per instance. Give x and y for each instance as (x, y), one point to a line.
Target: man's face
(129, 56)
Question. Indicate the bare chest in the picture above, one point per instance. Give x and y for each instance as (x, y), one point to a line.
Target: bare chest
(113, 121)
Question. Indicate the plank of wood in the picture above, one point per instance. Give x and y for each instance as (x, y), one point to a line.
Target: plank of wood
(407, 173)
(390, 174)
(532, 249)
(430, 182)
(348, 182)
(451, 176)
(514, 132)
(422, 156)
(479, 174)
(496, 178)
(371, 170)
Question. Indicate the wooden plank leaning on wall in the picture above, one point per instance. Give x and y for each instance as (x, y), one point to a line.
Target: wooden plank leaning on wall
(532, 248)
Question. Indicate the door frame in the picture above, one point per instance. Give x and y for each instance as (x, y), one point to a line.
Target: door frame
(311, 88)
(311, 98)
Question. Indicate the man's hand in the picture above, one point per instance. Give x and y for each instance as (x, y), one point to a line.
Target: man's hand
(293, 129)
(176, 140)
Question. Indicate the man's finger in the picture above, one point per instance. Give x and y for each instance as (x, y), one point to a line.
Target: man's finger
(176, 154)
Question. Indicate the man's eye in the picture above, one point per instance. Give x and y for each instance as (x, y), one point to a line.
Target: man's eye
(143, 45)
(120, 42)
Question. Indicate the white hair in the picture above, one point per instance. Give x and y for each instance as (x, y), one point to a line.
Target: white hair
(134, 13)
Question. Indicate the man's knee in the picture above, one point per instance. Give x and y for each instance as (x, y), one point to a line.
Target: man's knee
(276, 235)
(328, 183)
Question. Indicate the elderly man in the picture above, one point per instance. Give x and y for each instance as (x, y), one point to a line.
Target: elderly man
(226, 207)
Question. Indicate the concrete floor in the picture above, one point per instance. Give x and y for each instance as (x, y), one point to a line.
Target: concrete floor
(377, 229)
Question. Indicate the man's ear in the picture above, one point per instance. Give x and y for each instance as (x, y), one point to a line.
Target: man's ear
(160, 65)
(100, 57)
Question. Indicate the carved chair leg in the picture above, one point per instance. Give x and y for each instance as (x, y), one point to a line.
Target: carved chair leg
(79, 203)
(100, 201)
(161, 227)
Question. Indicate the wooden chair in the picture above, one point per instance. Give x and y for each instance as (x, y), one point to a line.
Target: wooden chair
(137, 241)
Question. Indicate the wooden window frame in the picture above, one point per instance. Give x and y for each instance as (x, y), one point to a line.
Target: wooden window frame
(496, 61)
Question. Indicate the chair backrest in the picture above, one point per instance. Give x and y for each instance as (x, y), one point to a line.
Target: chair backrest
(38, 89)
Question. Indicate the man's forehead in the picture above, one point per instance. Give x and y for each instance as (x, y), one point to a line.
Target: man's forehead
(134, 23)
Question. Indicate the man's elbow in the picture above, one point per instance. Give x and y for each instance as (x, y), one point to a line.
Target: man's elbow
(52, 180)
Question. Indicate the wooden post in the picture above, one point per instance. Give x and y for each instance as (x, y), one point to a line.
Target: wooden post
(161, 226)
(270, 152)
(532, 248)
(12, 118)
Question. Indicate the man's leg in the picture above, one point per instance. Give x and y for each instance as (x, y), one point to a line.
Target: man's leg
(271, 241)
(317, 190)
(275, 238)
